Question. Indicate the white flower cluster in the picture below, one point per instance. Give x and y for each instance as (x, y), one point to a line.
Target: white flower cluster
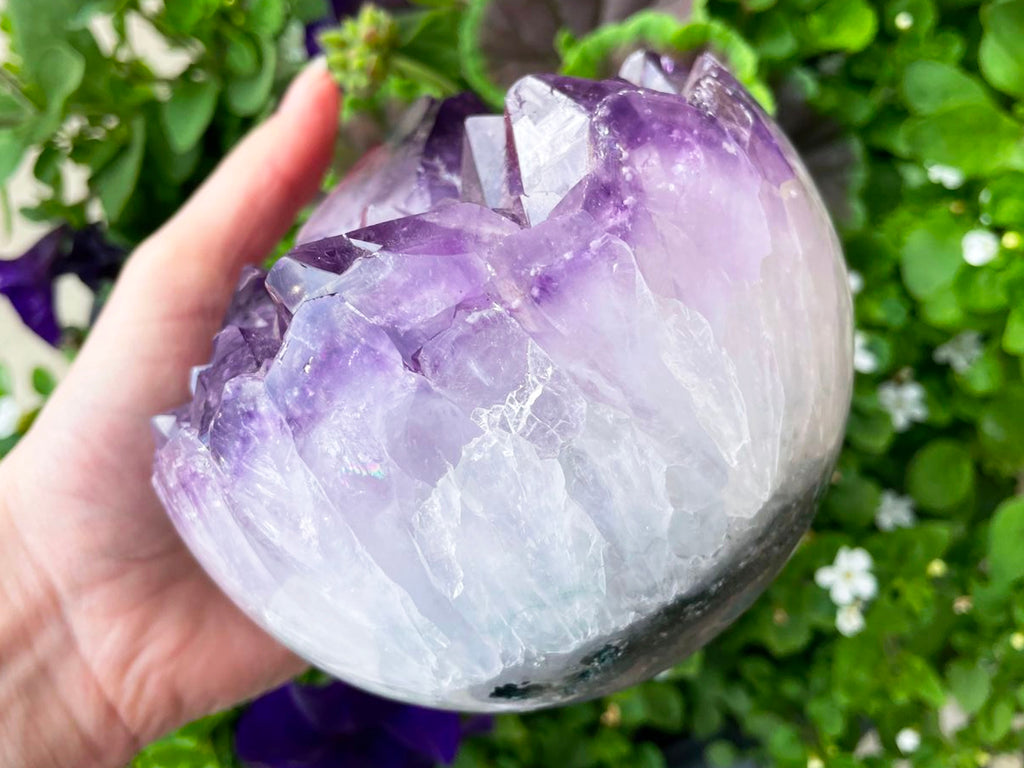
(895, 511)
(904, 403)
(850, 584)
(864, 360)
(960, 352)
(979, 247)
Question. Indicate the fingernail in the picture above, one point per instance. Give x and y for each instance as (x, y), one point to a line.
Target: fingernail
(295, 94)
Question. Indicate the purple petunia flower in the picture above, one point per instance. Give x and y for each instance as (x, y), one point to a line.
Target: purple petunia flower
(27, 281)
(338, 726)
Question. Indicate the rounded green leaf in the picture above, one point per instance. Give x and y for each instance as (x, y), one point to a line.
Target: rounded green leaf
(933, 86)
(1006, 541)
(187, 114)
(970, 683)
(1001, 55)
(1013, 334)
(115, 181)
(43, 381)
(976, 138)
(241, 54)
(941, 475)
(842, 25)
(931, 258)
(246, 97)
(1003, 200)
(1001, 431)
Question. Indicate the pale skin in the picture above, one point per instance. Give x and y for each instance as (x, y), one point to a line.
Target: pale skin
(110, 633)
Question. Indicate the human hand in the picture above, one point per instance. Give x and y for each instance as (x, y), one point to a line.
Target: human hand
(110, 633)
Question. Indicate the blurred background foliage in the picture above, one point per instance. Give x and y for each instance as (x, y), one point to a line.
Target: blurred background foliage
(911, 116)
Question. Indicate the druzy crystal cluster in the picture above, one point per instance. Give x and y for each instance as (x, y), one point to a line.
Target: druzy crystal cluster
(539, 403)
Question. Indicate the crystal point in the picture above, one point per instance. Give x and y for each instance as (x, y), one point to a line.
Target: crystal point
(539, 403)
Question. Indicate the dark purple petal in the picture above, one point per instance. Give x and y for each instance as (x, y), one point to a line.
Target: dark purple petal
(274, 732)
(28, 280)
(35, 307)
(93, 258)
(340, 709)
(428, 732)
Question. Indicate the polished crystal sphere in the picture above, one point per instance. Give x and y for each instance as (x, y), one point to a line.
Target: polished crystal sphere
(539, 403)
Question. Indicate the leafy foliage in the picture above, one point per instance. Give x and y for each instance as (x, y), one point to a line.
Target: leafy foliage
(931, 95)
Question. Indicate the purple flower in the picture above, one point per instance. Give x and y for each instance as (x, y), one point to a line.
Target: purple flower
(27, 281)
(337, 726)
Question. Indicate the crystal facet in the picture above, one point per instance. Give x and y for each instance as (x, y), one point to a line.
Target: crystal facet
(538, 405)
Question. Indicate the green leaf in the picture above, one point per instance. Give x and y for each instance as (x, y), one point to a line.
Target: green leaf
(60, 74)
(852, 501)
(995, 721)
(241, 53)
(941, 475)
(976, 138)
(986, 376)
(842, 25)
(1006, 542)
(309, 10)
(183, 16)
(177, 752)
(931, 257)
(267, 17)
(43, 381)
(654, 704)
(13, 147)
(721, 754)
(187, 114)
(35, 28)
(1003, 200)
(826, 716)
(1001, 55)
(1013, 334)
(970, 684)
(933, 86)
(1001, 431)
(916, 678)
(246, 97)
(114, 183)
(6, 384)
(588, 56)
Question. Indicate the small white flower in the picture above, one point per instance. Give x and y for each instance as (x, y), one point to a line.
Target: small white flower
(960, 352)
(815, 762)
(952, 718)
(946, 175)
(864, 360)
(850, 620)
(904, 402)
(895, 511)
(10, 414)
(870, 745)
(856, 281)
(908, 740)
(980, 246)
(904, 21)
(849, 578)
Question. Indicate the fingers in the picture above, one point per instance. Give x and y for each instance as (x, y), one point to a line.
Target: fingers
(172, 294)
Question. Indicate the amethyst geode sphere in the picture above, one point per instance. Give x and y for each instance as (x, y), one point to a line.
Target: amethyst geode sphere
(539, 403)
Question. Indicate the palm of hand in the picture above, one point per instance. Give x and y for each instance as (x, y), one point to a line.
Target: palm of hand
(160, 641)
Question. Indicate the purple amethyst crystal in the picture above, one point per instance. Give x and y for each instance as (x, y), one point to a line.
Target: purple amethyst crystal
(540, 403)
